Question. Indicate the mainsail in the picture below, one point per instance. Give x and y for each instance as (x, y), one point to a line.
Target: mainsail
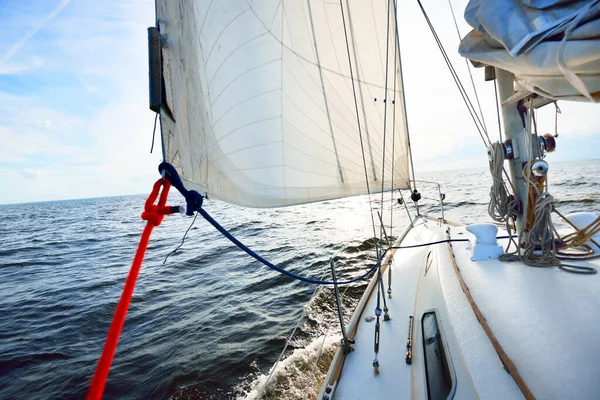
(552, 46)
(271, 102)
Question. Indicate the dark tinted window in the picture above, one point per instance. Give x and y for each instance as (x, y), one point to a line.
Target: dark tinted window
(439, 381)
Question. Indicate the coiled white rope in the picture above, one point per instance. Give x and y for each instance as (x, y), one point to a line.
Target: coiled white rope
(503, 207)
(539, 246)
(499, 205)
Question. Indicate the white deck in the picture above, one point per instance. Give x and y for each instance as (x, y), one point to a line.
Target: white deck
(357, 378)
(547, 321)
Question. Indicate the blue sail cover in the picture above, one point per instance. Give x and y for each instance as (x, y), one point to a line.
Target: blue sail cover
(552, 46)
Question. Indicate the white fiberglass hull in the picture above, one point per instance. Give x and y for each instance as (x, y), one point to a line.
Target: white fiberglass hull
(543, 321)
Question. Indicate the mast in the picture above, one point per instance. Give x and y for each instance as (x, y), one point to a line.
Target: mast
(514, 133)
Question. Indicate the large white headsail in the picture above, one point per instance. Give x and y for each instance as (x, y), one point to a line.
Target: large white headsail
(260, 109)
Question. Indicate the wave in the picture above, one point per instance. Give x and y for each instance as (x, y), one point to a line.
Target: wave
(32, 263)
(576, 201)
(573, 183)
(301, 373)
(365, 245)
(32, 359)
(13, 264)
(17, 250)
(465, 203)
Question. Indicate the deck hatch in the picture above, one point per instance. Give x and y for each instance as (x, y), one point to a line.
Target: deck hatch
(437, 369)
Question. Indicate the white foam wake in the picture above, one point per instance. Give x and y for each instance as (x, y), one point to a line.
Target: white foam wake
(293, 376)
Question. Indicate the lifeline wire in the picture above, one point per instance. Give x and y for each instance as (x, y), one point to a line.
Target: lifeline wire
(362, 147)
(440, 241)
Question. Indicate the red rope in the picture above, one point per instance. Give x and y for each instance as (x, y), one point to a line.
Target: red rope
(154, 215)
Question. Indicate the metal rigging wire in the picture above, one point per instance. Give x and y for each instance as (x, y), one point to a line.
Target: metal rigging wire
(404, 114)
(362, 147)
(385, 104)
(468, 68)
(478, 124)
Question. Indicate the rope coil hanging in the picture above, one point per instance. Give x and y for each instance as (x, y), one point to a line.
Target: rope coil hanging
(503, 206)
(581, 236)
(539, 243)
(539, 247)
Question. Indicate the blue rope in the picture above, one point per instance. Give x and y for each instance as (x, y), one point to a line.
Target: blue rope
(259, 258)
(193, 199)
(194, 203)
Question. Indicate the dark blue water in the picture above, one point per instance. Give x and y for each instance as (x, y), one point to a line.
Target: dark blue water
(210, 322)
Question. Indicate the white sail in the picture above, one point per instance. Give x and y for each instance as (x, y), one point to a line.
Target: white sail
(260, 109)
(552, 46)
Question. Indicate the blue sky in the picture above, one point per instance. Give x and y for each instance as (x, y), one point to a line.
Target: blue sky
(74, 120)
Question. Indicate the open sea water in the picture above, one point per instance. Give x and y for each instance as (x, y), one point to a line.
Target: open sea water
(210, 322)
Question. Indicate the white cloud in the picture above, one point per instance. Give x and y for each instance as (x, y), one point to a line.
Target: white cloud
(21, 67)
(25, 144)
(30, 174)
(95, 140)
